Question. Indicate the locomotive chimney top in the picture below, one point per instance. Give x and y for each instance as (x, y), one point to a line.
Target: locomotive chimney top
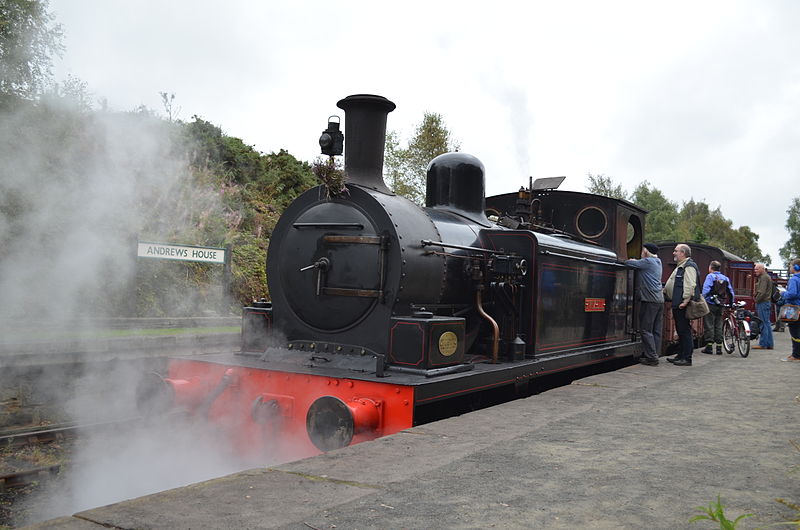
(365, 139)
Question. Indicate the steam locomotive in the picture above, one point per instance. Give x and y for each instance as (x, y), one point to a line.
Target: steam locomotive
(385, 314)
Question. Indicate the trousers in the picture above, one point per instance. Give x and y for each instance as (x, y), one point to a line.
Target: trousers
(651, 321)
(712, 324)
(764, 312)
(794, 330)
(684, 330)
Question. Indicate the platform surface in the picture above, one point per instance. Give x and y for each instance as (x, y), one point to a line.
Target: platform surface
(641, 447)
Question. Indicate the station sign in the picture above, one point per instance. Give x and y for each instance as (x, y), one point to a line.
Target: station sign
(181, 252)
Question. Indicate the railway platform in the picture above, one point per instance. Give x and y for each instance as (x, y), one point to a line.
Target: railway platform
(640, 447)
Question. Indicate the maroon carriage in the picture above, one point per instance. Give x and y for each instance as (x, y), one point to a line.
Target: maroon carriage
(740, 272)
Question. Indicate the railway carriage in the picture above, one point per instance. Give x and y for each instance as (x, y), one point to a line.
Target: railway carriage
(740, 272)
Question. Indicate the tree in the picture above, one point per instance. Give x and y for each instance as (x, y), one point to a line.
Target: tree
(168, 102)
(698, 223)
(791, 250)
(28, 40)
(602, 185)
(744, 242)
(694, 222)
(405, 168)
(662, 213)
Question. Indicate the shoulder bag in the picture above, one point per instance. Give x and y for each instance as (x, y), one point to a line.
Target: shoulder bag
(697, 307)
(789, 313)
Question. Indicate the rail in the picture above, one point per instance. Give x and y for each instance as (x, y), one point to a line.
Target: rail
(47, 433)
(18, 479)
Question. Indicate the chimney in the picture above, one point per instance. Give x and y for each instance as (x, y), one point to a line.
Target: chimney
(365, 139)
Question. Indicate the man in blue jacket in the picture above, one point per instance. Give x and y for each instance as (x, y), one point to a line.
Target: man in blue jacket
(792, 296)
(718, 291)
(651, 308)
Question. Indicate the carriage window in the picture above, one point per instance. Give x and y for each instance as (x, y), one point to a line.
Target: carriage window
(591, 222)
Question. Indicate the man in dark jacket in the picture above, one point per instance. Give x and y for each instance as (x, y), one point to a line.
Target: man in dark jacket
(651, 307)
(680, 288)
(763, 300)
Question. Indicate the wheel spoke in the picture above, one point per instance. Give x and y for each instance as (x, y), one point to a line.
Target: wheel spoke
(743, 341)
(727, 336)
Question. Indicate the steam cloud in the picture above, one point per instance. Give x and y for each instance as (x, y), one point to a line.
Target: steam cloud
(76, 189)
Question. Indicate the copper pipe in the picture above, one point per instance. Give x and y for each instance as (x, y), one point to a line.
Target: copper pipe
(495, 327)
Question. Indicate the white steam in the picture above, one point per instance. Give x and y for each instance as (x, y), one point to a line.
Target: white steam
(76, 190)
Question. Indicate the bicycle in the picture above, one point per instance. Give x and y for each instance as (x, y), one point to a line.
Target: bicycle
(736, 329)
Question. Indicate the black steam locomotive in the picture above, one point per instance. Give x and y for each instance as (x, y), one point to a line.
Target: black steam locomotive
(382, 309)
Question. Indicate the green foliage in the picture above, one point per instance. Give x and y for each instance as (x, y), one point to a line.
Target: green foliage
(28, 40)
(698, 223)
(331, 175)
(234, 196)
(791, 250)
(662, 213)
(602, 185)
(72, 91)
(406, 168)
(715, 512)
(253, 188)
(693, 222)
(170, 288)
(77, 182)
(250, 272)
(285, 178)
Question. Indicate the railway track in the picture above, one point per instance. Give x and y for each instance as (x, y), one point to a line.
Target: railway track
(17, 438)
(57, 431)
(46, 433)
(19, 479)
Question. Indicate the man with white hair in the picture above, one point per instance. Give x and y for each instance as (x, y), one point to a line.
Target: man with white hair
(763, 300)
(680, 288)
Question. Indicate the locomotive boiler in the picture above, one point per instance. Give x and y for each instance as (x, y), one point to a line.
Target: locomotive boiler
(384, 314)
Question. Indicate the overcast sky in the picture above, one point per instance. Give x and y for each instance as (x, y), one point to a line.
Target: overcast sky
(702, 99)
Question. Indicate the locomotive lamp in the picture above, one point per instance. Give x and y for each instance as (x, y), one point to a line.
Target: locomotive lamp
(332, 139)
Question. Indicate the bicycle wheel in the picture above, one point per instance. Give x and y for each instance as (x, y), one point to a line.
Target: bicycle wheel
(727, 336)
(743, 340)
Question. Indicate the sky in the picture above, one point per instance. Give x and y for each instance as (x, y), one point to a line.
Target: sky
(700, 99)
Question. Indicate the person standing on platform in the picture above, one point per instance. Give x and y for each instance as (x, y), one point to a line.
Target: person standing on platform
(763, 300)
(680, 288)
(651, 309)
(718, 292)
(792, 296)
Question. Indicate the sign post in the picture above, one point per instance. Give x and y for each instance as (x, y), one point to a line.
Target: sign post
(181, 252)
(217, 255)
